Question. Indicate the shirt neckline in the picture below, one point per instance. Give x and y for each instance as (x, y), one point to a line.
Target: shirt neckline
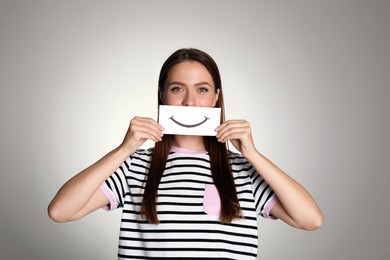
(186, 151)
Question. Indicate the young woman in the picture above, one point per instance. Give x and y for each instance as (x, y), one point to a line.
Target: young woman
(188, 197)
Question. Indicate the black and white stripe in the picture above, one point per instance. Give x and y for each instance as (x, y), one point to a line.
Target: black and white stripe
(185, 230)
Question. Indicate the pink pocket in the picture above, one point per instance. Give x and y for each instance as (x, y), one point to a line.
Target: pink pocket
(211, 200)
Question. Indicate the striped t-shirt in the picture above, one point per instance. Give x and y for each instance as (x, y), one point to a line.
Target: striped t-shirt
(188, 209)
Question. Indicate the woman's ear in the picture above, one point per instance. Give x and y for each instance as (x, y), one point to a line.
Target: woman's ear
(160, 97)
(216, 97)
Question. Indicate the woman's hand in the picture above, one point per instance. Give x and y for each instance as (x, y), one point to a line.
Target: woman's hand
(140, 130)
(238, 132)
(81, 194)
(296, 206)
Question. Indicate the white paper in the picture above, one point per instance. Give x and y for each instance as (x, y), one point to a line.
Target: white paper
(184, 120)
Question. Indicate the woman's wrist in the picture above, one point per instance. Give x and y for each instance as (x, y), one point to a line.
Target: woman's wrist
(124, 151)
(252, 155)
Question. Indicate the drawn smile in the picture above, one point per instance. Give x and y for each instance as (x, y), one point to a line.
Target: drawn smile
(189, 126)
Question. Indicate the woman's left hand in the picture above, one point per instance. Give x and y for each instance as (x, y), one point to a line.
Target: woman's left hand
(296, 206)
(238, 132)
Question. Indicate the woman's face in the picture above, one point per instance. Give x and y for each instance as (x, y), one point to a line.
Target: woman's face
(189, 83)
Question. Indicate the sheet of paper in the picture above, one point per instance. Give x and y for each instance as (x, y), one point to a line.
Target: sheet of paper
(184, 120)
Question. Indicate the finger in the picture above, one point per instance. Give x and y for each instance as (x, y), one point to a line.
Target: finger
(150, 129)
(148, 121)
(151, 122)
(147, 125)
(232, 125)
(231, 134)
(225, 124)
(231, 130)
(145, 131)
(149, 136)
(139, 137)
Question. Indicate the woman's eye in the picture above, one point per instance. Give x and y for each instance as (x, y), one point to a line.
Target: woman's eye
(176, 89)
(203, 89)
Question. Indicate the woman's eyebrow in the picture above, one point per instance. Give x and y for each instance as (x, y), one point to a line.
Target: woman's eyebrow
(183, 84)
(176, 83)
(203, 83)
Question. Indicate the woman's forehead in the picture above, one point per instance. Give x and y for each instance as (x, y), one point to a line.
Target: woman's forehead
(189, 71)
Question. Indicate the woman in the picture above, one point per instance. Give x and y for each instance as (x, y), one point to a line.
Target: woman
(188, 196)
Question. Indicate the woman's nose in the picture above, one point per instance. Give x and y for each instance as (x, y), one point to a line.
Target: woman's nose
(189, 99)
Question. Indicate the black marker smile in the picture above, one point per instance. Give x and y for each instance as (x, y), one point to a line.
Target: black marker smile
(189, 126)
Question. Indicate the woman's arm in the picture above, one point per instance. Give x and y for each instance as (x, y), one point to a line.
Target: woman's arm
(296, 207)
(81, 194)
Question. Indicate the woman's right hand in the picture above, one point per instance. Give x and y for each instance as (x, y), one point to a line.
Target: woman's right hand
(81, 194)
(140, 130)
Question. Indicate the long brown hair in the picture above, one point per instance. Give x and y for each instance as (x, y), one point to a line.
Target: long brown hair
(219, 162)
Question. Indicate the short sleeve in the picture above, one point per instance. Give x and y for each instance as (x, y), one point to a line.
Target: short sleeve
(265, 197)
(116, 187)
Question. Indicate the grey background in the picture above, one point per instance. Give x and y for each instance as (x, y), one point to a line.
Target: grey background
(312, 77)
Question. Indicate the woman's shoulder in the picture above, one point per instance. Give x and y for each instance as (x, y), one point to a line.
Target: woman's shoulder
(239, 163)
(235, 156)
(237, 160)
(142, 153)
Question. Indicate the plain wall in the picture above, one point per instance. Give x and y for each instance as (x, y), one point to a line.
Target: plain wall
(312, 77)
